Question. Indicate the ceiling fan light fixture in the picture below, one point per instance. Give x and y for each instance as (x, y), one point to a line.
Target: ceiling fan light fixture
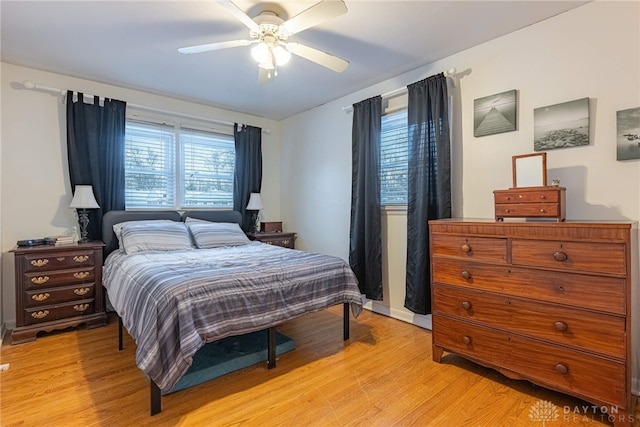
(260, 53)
(281, 55)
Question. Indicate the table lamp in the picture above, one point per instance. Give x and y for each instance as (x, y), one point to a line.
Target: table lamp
(83, 199)
(254, 206)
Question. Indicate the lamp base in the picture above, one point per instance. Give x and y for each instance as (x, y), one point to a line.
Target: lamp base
(254, 222)
(83, 219)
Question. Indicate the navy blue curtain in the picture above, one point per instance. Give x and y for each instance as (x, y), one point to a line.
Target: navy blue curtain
(365, 234)
(248, 172)
(95, 152)
(429, 182)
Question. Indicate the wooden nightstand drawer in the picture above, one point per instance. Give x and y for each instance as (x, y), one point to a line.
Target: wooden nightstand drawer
(41, 261)
(477, 248)
(38, 298)
(58, 278)
(284, 239)
(57, 312)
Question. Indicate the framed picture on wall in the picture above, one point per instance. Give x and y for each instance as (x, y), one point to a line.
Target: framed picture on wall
(561, 125)
(495, 114)
(628, 134)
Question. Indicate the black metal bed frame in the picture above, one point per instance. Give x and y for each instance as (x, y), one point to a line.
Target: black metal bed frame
(155, 393)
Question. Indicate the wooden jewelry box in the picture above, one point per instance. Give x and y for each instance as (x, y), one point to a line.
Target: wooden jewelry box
(530, 202)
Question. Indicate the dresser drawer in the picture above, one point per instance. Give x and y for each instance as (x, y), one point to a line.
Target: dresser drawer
(530, 210)
(57, 312)
(58, 278)
(516, 196)
(563, 325)
(46, 261)
(608, 258)
(560, 368)
(469, 247)
(600, 293)
(38, 298)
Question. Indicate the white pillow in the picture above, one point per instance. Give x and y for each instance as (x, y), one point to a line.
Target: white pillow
(117, 228)
(188, 220)
(217, 234)
(163, 236)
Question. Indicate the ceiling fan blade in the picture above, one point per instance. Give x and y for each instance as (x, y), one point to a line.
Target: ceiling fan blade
(239, 14)
(214, 46)
(314, 15)
(323, 58)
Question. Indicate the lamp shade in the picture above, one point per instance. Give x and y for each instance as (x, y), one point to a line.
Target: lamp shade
(83, 198)
(255, 202)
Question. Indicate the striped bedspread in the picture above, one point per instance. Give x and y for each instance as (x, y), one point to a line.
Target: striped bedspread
(172, 303)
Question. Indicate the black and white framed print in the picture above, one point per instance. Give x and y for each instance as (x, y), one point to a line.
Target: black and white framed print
(495, 114)
(561, 125)
(628, 134)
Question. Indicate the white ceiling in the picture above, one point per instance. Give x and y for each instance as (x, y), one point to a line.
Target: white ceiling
(133, 44)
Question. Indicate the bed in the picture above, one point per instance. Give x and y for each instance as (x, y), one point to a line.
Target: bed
(173, 297)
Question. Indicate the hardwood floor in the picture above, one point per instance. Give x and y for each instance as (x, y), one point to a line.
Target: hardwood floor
(383, 376)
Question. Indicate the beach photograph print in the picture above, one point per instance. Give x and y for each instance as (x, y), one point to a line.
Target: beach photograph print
(495, 114)
(628, 135)
(561, 125)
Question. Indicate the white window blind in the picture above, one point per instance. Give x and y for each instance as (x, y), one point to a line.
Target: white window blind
(172, 167)
(393, 159)
(150, 160)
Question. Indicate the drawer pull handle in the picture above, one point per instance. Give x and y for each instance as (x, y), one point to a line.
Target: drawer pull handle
(466, 339)
(39, 262)
(508, 198)
(466, 248)
(81, 291)
(561, 369)
(560, 326)
(543, 197)
(80, 307)
(61, 258)
(269, 243)
(466, 275)
(81, 275)
(81, 258)
(40, 314)
(560, 256)
(541, 210)
(40, 280)
(285, 242)
(466, 305)
(40, 297)
(506, 211)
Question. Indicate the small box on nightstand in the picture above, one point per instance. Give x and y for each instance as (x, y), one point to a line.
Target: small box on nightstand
(271, 227)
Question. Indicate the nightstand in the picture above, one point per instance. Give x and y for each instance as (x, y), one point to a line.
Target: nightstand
(57, 287)
(284, 239)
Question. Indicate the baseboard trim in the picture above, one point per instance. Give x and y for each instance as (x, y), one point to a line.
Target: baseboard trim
(423, 321)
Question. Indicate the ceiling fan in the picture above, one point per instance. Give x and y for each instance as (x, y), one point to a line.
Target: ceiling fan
(270, 33)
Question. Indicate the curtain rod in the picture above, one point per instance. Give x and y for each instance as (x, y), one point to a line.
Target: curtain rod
(450, 74)
(62, 93)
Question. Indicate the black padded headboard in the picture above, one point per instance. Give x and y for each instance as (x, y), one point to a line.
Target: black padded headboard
(114, 217)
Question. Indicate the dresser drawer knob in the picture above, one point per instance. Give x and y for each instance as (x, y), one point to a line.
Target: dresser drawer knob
(81, 291)
(40, 314)
(561, 369)
(466, 339)
(39, 262)
(81, 275)
(560, 256)
(81, 258)
(543, 197)
(541, 210)
(506, 211)
(80, 307)
(466, 275)
(466, 305)
(40, 280)
(560, 326)
(285, 242)
(61, 258)
(466, 248)
(40, 297)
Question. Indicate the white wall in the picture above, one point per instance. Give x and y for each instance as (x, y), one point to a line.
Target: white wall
(592, 51)
(35, 189)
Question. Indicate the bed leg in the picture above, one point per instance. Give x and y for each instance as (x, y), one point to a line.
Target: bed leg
(120, 346)
(156, 398)
(271, 348)
(345, 334)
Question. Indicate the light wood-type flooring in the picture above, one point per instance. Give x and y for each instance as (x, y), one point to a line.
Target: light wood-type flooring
(383, 376)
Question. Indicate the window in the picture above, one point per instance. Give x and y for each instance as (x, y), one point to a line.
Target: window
(393, 159)
(172, 168)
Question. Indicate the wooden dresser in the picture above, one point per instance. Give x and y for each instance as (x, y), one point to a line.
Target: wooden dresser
(548, 302)
(57, 287)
